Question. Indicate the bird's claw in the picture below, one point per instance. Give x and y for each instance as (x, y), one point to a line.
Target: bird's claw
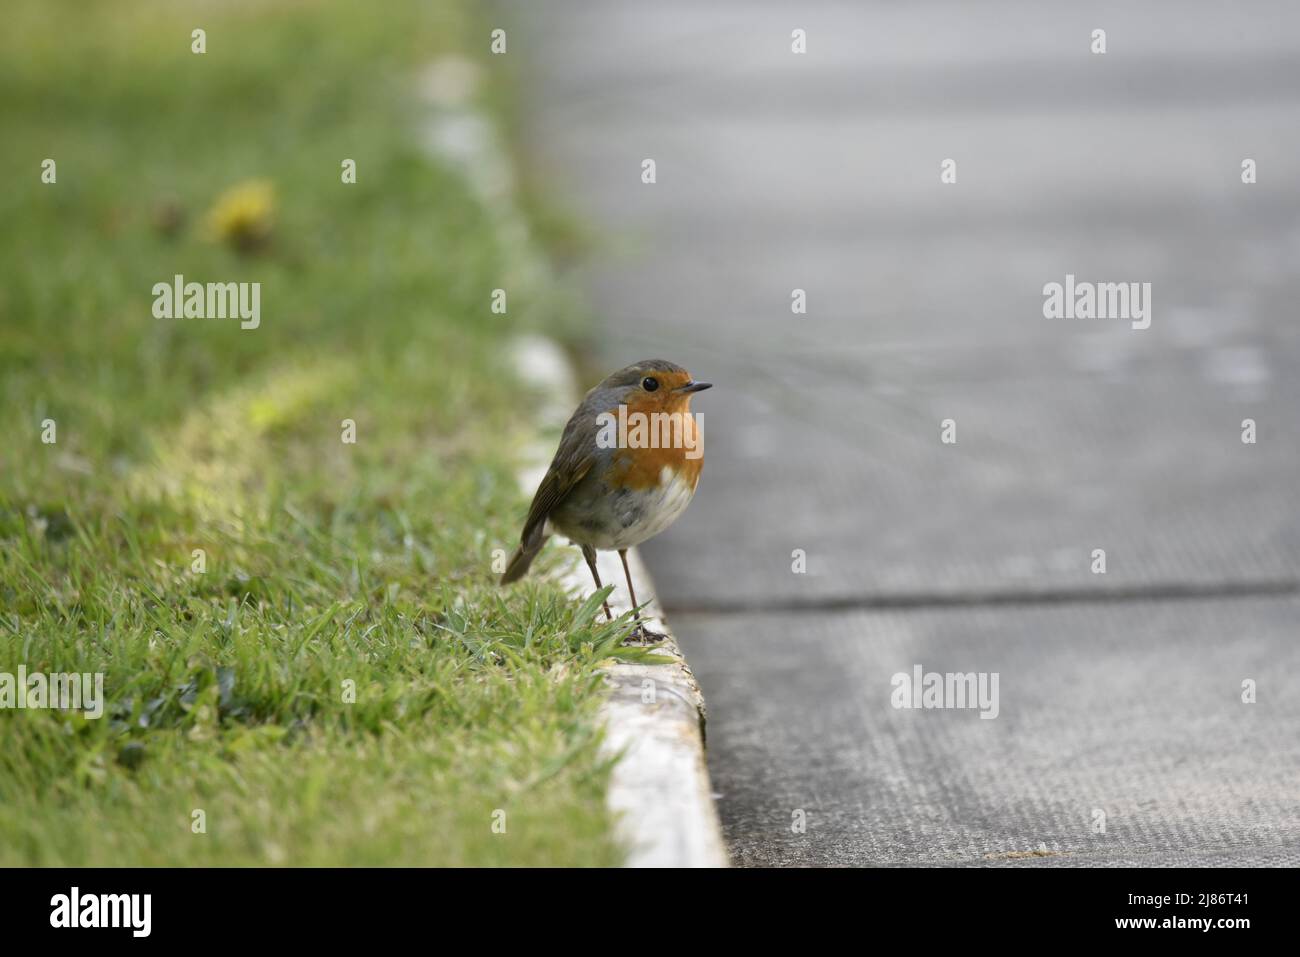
(642, 635)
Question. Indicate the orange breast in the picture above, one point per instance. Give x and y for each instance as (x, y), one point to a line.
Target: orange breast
(678, 437)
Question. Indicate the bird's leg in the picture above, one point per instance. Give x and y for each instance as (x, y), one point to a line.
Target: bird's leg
(632, 592)
(622, 553)
(589, 554)
(644, 632)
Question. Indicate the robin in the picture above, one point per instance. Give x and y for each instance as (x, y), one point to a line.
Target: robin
(627, 466)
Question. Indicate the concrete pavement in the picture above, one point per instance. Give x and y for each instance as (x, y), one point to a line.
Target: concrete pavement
(775, 171)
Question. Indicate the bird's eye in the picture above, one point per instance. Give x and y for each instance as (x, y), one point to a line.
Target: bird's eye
(649, 383)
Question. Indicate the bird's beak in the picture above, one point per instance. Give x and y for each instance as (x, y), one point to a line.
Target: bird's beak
(694, 387)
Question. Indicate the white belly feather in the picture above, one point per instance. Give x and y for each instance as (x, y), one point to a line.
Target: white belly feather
(627, 518)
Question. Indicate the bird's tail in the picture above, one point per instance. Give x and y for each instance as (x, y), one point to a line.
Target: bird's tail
(517, 567)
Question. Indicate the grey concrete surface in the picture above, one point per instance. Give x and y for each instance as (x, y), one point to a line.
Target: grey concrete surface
(820, 171)
(1130, 708)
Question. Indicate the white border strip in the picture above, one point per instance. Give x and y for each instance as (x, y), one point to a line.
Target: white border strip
(654, 715)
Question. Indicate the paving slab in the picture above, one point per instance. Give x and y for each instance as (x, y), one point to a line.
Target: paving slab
(1132, 709)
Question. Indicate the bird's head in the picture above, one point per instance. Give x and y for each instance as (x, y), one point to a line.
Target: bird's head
(652, 385)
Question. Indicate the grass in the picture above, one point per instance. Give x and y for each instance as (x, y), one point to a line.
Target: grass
(299, 637)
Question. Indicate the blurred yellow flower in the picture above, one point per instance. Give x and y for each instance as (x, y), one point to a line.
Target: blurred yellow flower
(243, 215)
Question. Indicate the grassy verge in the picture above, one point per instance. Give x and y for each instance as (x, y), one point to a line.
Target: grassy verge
(300, 637)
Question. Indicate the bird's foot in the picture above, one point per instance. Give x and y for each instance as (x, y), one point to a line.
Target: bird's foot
(642, 635)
